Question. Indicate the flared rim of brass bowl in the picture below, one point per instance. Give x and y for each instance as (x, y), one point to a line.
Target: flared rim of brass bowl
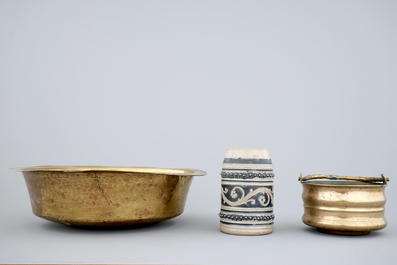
(150, 170)
(107, 196)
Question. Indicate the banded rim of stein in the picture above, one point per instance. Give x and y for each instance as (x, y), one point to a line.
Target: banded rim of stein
(252, 156)
(247, 192)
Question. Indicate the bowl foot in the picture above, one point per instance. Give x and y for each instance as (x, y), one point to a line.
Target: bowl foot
(346, 233)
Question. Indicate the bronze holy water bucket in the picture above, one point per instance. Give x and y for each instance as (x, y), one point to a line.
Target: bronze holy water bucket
(344, 205)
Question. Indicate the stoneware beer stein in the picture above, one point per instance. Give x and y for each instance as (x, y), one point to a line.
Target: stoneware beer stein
(247, 192)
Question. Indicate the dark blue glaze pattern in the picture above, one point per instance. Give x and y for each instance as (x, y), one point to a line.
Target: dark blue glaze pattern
(246, 175)
(247, 196)
(239, 217)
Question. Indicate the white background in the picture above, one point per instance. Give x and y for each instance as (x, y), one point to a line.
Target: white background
(174, 84)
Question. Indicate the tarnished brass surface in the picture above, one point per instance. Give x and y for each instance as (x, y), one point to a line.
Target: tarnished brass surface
(107, 196)
(345, 207)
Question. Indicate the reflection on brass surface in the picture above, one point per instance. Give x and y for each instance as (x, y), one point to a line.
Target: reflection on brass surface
(107, 196)
(344, 205)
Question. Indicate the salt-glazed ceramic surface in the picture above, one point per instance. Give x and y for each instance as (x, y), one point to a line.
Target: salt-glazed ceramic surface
(247, 192)
(344, 205)
(107, 196)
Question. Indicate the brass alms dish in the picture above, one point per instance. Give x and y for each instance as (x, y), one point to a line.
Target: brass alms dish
(107, 196)
(344, 205)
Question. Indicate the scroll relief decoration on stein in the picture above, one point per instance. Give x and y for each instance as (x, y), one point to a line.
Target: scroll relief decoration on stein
(247, 192)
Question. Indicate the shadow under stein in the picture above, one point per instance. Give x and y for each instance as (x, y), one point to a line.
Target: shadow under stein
(247, 192)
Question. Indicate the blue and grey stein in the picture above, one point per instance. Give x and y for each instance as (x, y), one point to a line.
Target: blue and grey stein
(247, 192)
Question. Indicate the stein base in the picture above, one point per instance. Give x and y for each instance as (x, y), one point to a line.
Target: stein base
(246, 231)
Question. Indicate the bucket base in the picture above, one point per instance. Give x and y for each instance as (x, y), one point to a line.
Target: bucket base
(246, 230)
(346, 233)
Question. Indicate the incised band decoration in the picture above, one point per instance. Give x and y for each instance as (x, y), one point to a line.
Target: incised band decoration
(246, 175)
(239, 217)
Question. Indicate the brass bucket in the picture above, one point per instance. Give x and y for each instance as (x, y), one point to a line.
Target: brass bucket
(344, 205)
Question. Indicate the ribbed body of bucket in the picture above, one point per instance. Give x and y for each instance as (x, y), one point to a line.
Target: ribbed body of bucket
(344, 207)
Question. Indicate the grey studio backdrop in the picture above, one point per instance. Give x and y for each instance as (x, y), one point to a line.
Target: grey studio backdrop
(174, 84)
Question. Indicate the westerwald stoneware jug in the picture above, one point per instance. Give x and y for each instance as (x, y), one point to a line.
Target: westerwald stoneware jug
(247, 192)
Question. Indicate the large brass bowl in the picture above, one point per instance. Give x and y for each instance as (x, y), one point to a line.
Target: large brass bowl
(107, 196)
(344, 205)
